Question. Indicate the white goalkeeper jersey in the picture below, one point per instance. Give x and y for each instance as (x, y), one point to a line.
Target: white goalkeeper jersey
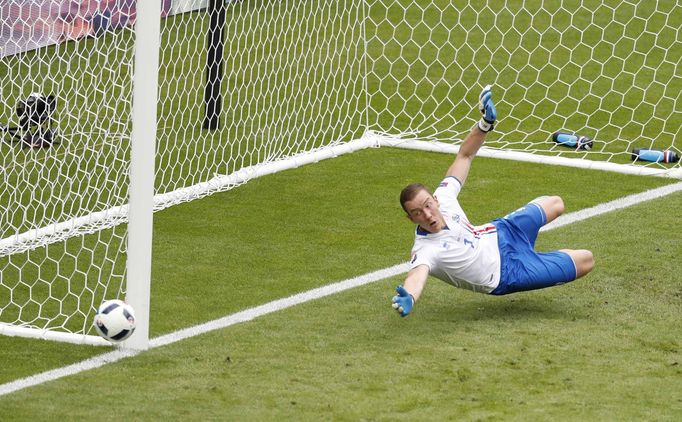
(463, 255)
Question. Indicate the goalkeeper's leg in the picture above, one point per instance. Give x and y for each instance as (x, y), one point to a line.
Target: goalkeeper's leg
(553, 206)
(583, 260)
(531, 217)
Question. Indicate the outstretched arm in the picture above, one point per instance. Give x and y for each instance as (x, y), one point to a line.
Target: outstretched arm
(472, 143)
(467, 151)
(407, 295)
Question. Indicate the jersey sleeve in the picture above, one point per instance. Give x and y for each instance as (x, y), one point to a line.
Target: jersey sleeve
(448, 189)
(422, 255)
(447, 193)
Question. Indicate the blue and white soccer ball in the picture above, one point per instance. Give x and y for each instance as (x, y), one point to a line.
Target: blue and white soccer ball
(115, 320)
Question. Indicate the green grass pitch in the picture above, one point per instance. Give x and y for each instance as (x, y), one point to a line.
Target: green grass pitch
(606, 347)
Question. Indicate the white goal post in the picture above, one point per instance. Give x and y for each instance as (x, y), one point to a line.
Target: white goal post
(104, 108)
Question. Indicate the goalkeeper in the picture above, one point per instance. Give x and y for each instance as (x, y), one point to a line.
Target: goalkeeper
(496, 258)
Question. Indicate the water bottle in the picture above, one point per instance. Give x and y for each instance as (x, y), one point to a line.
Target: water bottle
(573, 141)
(654, 155)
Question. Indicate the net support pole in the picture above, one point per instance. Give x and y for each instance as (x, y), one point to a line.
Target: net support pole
(143, 148)
(213, 98)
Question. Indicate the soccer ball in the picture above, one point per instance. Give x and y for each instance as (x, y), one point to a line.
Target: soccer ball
(115, 320)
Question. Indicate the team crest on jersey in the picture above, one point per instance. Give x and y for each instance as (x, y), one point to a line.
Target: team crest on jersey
(443, 184)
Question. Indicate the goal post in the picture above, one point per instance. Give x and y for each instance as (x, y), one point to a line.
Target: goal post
(142, 153)
(301, 81)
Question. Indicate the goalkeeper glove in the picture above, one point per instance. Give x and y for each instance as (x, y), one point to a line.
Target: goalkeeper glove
(487, 108)
(403, 301)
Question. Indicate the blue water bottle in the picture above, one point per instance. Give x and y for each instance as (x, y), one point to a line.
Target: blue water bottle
(654, 155)
(573, 141)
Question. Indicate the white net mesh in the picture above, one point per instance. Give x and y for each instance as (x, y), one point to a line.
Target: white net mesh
(298, 76)
(292, 83)
(608, 70)
(62, 166)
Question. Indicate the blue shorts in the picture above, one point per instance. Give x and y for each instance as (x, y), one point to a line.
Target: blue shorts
(522, 268)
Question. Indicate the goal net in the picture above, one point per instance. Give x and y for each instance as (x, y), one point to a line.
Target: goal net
(299, 81)
(606, 70)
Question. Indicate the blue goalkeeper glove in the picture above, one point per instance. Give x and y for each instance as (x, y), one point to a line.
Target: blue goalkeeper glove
(487, 108)
(403, 301)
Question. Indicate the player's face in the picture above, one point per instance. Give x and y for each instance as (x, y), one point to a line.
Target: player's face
(423, 210)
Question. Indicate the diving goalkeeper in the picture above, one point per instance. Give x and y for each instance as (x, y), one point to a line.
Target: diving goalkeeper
(497, 258)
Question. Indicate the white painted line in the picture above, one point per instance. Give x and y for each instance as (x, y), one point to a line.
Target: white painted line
(616, 204)
(243, 316)
(280, 304)
(92, 363)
